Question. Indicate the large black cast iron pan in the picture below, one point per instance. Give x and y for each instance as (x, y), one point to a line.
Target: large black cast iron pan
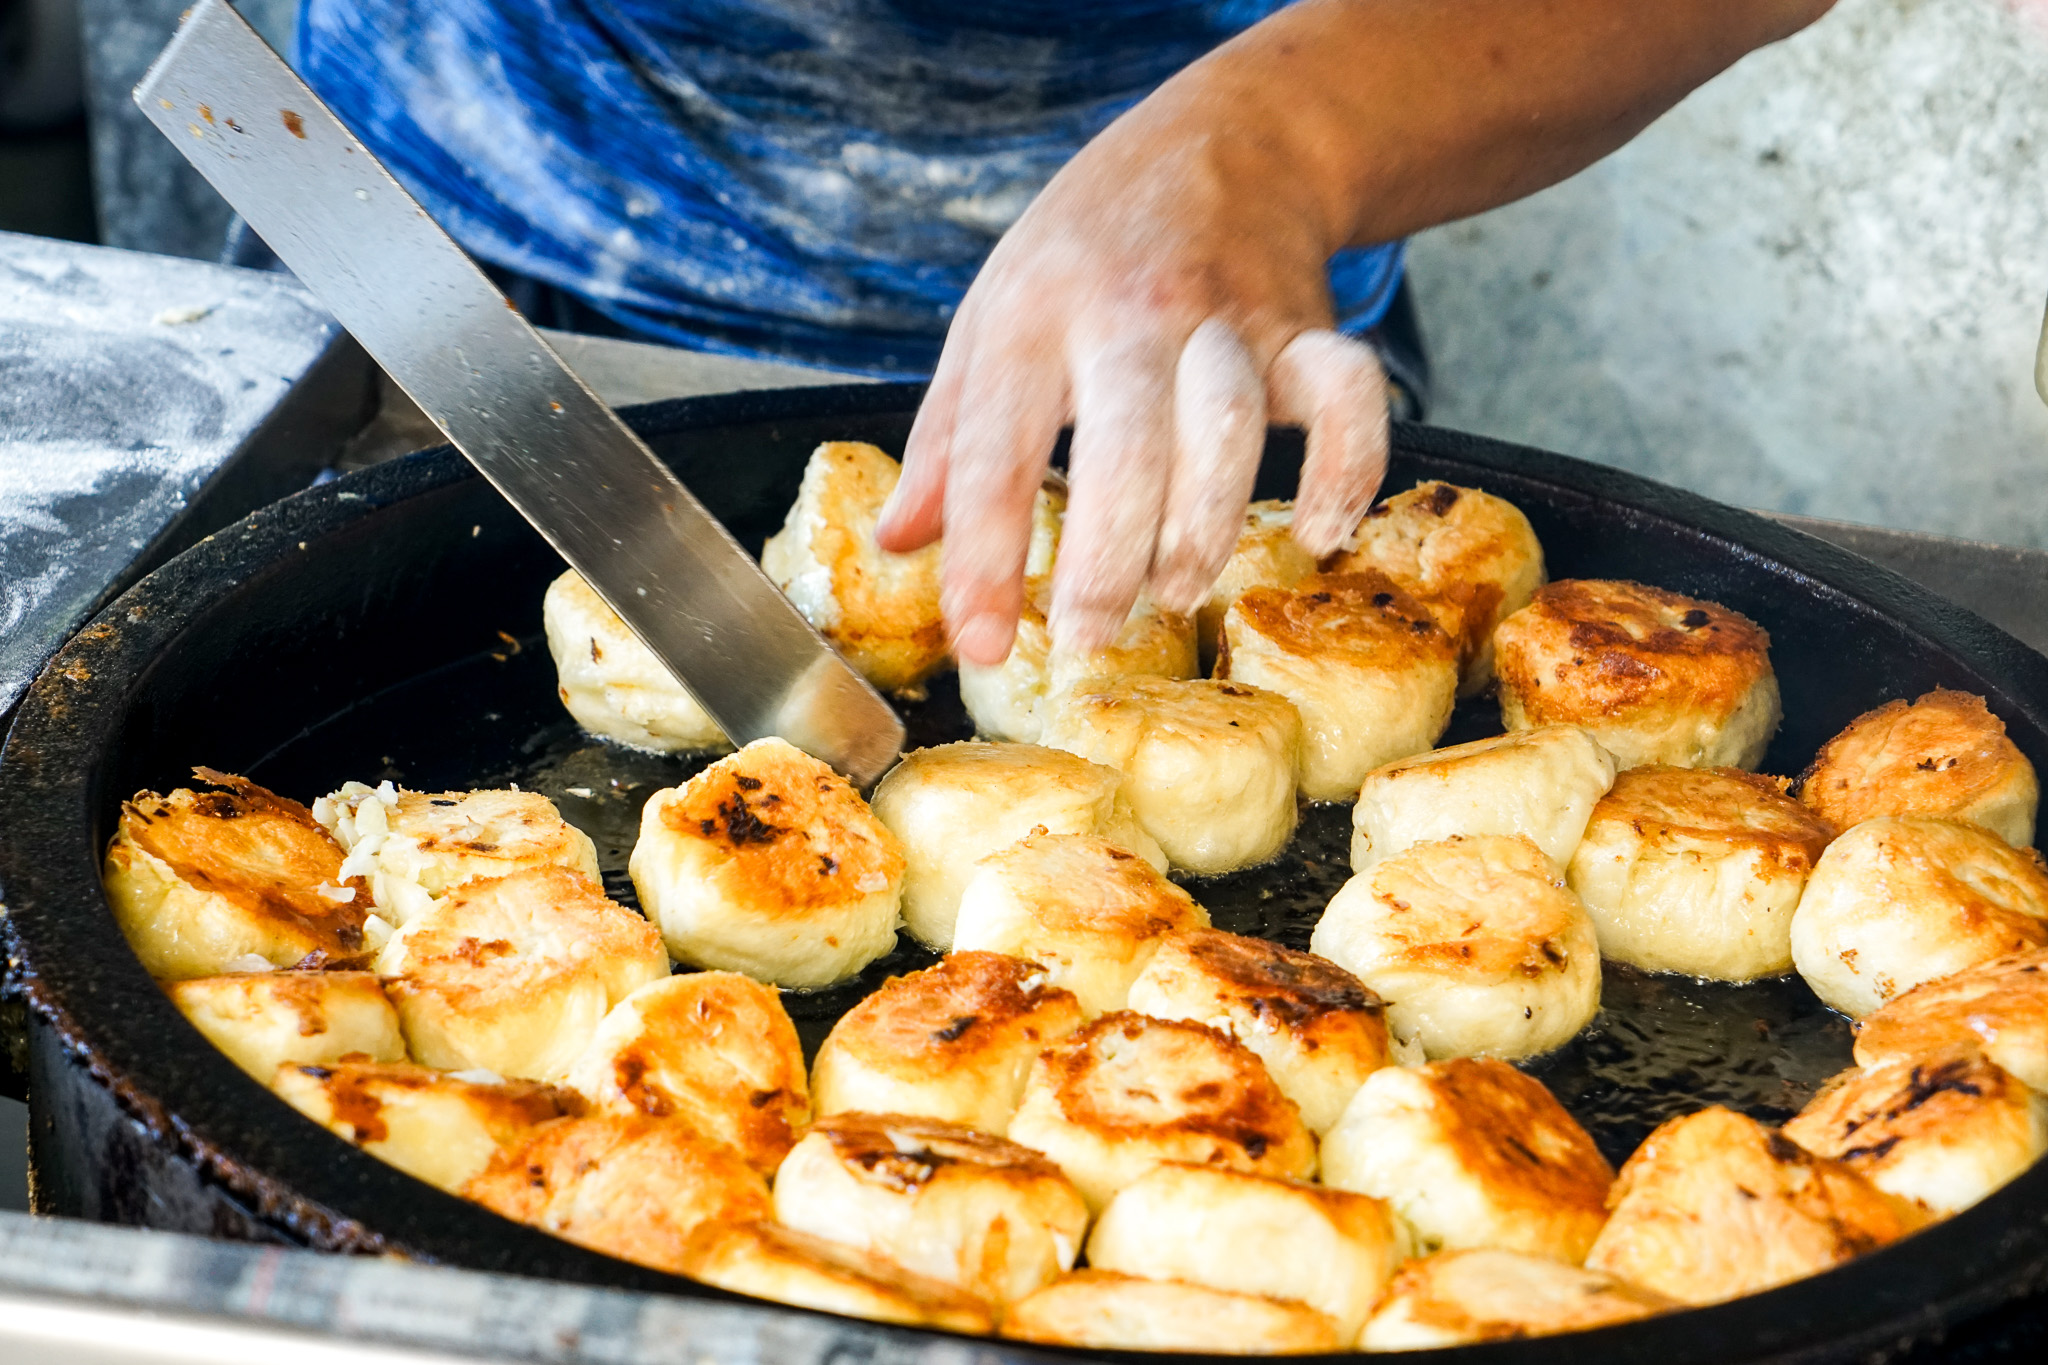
(388, 625)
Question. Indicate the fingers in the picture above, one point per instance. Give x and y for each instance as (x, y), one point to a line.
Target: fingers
(1334, 386)
(1219, 433)
(914, 515)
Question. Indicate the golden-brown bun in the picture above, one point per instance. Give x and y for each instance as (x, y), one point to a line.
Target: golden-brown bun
(1657, 678)
(513, 974)
(1373, 677)
(611, 683)
(1317, 1027)
(1943, 754)
(1942, 1132)
(1252, 1234)
(1541, 784)
(1477, 945)
(880, 610)
(1127, 1092)
(985, 1215)
(1103, 1310)
(954, 1041)
(1456, 1298)
(769, 863)
(1903, 899)
(714, 1049)
(264, 1019)
(1009, 701)
(954, 804)
(1999, 1007)
(1470, 557)
(1267, 556)
(1697, 871)
(623, 1184)
(1208, 766)
(1086, 911)
(769, 1261)
(202, 883)
(1472, 1154)
(440, 1128)
(1714, 1205)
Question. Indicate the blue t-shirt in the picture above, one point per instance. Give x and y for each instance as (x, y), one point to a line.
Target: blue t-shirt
(815, 180)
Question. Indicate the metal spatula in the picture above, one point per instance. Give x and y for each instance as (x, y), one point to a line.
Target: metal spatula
(455, 344)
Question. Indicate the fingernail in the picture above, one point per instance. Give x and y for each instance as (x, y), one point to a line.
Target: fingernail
(1081, 631)
(984, 638)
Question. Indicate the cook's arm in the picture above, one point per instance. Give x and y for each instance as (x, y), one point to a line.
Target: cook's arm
(1166, 291)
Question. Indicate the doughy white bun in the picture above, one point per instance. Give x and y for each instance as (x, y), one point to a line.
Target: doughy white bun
(1267, 556)
(1714, 1205)
(1943, 754)
(1125, 1093)
(954, 1042)
(1317, 1027)
(769, 1261)
(1476, 944)
(264, 1019)
(1657, 677)
(1541, 784)
(769, 863)
(514, 974)
(1472, 1154)
(1103, 1310)
(437, 1127)
(992, 1218)
(1697, 871)
(1083, 909)
(1209, 766)
(954, 804)
(1903, 899)
(880, 610)
(611, 683)
(1471, 558)
(1457, 1298)
(715, 1050)
(1252, 1234)
(1372, 675)
(1999, 1007)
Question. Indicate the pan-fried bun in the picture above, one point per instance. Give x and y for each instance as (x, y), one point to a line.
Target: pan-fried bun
(1085, 910)
(769, 1261)
(1372, 675)
(1209, 766)
(1999, 1007)
(1657, 677)
(1540, 784)
(1472, 559)
(985, 1215)
(1903, 899)
(264, 1019)
(623, 1184)
(1942, 1132)
(954, 804)
(1714, 1205)
(438, 1127)
(769, 863)
(611, 683)
(1943, 754)
(1127, 1092)
(713, 1049)
(1267, 556)
(1103, 1310)
(1252, 1234)
(514, 974)
(1317, 1027)
(1457, 1298)
(1476, 944)
(201, 882)
(1472, 1154)
(954, 1041)
(1697, 871)
(1009, 700)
